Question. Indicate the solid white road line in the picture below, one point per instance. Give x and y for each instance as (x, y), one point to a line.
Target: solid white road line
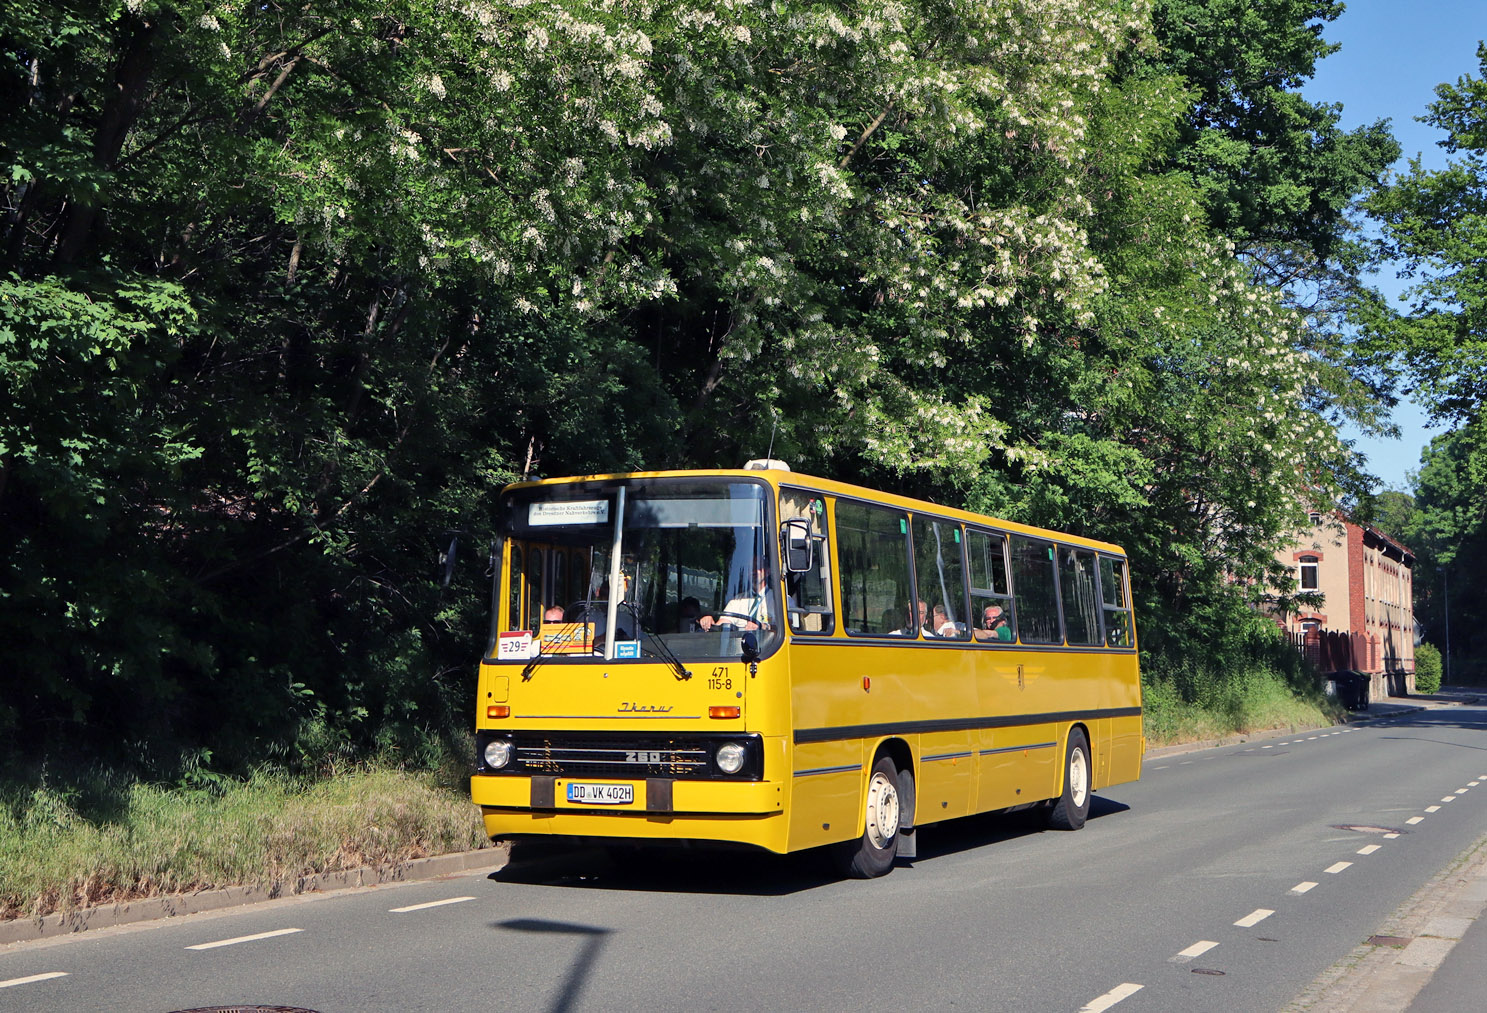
(244, 939)
(1369, 849)
(425, 907)
(1337, 867)
(35, 977)
(1199, 948)
(1254, 918)
(1303, 887)
(1110, 998)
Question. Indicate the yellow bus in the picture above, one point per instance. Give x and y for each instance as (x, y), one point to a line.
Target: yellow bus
(761, 657)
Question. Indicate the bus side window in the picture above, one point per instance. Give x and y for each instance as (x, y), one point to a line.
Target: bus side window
(1035, 591)
(1117, 606)
(1077, 587)
(991, 604)
(808, 595)
(873, 551)
(513, 584)
(534, 589)
(940, 578)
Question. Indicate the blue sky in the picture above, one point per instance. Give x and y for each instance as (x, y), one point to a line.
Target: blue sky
(1393, 55)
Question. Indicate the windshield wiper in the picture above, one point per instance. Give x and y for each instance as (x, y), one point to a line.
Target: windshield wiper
(665, 654)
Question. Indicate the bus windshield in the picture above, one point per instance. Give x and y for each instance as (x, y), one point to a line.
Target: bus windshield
(695, 568)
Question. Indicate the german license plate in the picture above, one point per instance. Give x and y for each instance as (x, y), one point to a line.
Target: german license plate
(600, 794)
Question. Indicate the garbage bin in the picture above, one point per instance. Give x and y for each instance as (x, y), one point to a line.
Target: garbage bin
(1352, 688)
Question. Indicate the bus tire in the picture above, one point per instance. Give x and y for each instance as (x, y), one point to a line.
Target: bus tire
(1072, 807)
(873, 853)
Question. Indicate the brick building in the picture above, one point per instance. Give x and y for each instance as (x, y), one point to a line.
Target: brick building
(1367, 619)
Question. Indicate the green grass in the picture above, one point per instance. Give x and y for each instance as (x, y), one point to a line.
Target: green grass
(138, 840)
(1195, 704)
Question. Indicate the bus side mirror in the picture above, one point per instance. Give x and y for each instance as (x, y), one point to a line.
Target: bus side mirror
(750, 648)
(799, 546)
(446, 561)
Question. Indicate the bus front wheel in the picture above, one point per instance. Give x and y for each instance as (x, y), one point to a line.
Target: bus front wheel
(872, 854)
(1071, 808)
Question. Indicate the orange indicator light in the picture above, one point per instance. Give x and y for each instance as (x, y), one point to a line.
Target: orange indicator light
(724, 712)
(498, 710)
(867, 684)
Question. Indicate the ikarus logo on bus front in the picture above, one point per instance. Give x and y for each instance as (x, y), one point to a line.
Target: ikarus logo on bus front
(644, 708)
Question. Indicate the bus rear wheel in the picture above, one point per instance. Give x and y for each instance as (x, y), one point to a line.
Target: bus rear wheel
(1072, 808)
(872, 854)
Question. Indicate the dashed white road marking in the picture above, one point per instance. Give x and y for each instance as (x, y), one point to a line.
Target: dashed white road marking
(1462, 791)
(1337, 867)
(1254, 918)
(1162, 767)
(1472, 784)
(1390, 837)
(1369, 849)
(1199, 948)
(1302, 887)
(244, 939)
(33, 977)
(1449, 798)
(1432, 808)
(1267, 747)
(1415, 819)
(1110, 998)
(425, 907)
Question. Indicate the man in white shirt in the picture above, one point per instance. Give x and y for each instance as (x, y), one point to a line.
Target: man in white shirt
(747, 611)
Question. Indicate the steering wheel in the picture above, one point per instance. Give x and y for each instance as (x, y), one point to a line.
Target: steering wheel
(746, 619)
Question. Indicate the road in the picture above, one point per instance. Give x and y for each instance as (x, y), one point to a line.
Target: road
(1224, 880)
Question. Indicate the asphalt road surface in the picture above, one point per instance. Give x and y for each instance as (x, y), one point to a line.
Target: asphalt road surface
(1224, 880)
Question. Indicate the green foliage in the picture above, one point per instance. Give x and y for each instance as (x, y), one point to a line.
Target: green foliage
(1427, 668)
(286, 294)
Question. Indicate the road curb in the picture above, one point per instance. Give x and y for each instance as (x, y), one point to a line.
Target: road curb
(1385, 975)
(63, 923)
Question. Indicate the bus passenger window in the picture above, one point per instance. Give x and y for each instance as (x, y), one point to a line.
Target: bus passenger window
(940, 578)
(991, 605)
(808, 594)
(873, 550)
(1119, 631)
(1077, 587)
(1034, 590)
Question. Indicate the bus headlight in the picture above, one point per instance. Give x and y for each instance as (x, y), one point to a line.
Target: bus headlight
(730, 757)
(497, 753)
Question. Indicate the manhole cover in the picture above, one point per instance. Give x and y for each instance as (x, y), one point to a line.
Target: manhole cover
(247, 1009)
(1207, 970)
(1368, 828)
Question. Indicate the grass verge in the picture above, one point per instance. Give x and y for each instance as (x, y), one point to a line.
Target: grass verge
(1196, 705)
(103, 842)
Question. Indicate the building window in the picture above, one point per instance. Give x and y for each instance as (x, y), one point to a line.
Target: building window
(1308, 573)
(1315, 518)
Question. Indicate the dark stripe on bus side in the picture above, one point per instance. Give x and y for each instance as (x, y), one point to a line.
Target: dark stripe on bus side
(945, 756)
(828, 770)
(807, 735)
(1019, 749)
(799, 639)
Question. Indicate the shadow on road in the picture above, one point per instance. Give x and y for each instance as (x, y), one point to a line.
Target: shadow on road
(578, 972)
(670, 867)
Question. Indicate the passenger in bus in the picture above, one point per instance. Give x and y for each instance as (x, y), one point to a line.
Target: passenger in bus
(911, 629)
(689, 615)
(941, 625)
(994, 625)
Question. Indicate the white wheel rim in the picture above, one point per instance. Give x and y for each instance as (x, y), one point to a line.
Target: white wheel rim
(882, 810)
(1078, 778)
